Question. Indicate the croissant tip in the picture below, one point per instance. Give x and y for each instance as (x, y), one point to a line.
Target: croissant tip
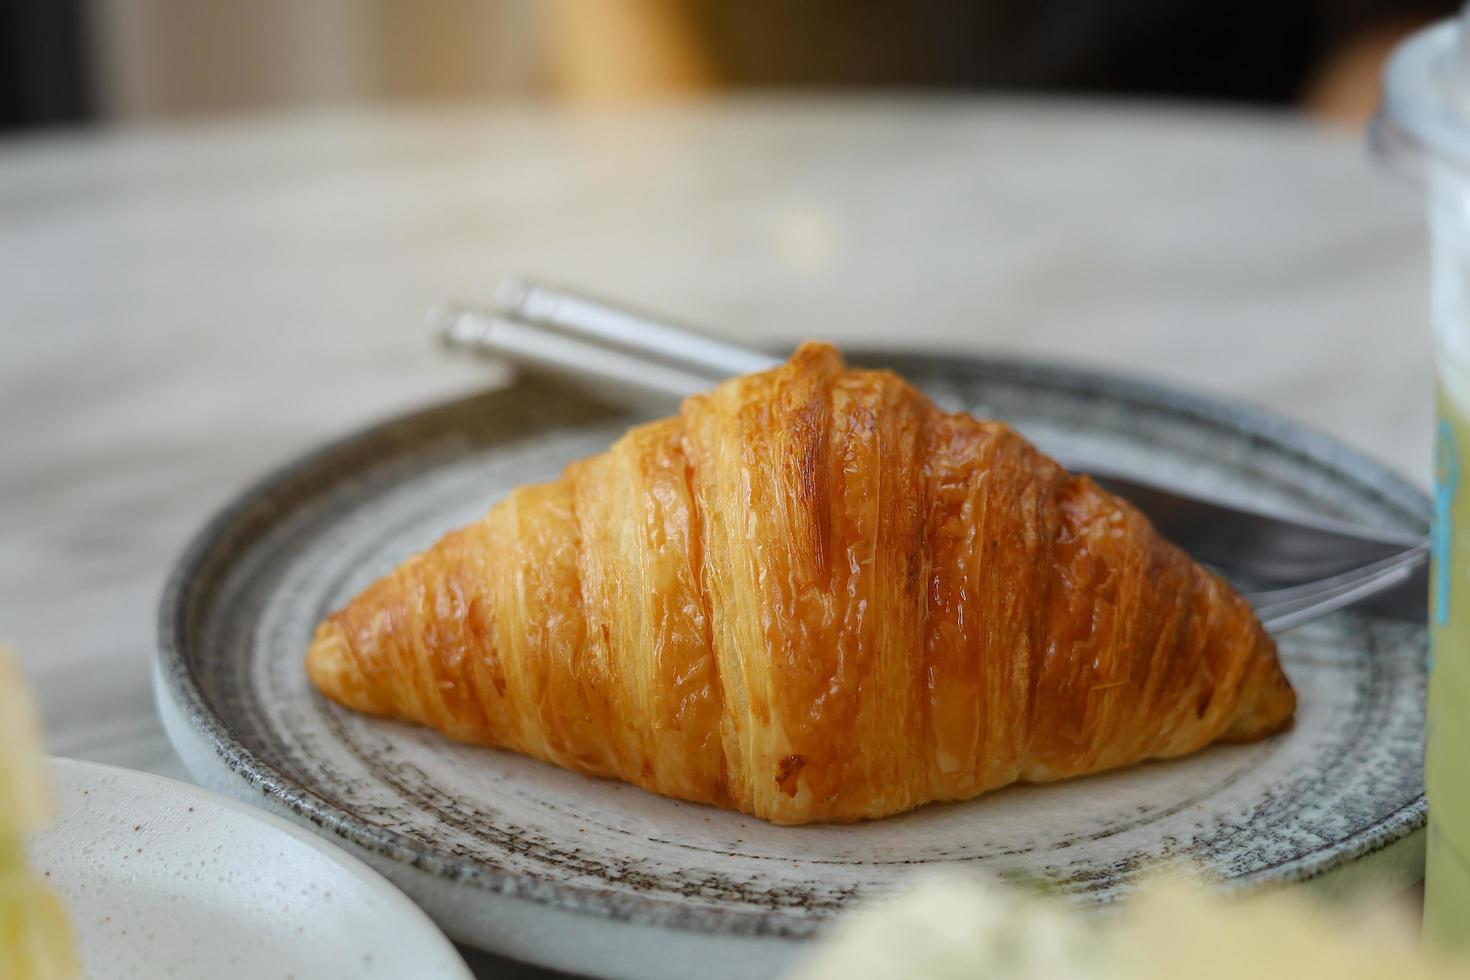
(810, 351)
(1273, 711)
(334, 671)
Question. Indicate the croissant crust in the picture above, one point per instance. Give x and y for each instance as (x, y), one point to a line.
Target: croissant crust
(812, 596)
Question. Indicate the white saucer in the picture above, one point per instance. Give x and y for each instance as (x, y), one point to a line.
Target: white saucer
(162, 879)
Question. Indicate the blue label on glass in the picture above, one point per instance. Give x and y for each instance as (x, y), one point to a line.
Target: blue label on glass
(1446, 481)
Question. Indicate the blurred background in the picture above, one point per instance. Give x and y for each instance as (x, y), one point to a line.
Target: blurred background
(222, 221)
(104, 61)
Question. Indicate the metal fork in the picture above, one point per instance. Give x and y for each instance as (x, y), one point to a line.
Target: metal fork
(1320, 566)
(1281, 609)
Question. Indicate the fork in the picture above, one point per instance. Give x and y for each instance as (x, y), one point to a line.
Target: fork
(1281, 609)
(1319, 566)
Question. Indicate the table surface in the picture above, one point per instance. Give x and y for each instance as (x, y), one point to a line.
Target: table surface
(185, 307)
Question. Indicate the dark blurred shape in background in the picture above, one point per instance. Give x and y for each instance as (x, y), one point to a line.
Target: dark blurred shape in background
(45, 75)
(68, 61)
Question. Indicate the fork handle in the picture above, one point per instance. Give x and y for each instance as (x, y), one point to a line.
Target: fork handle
(623, 376)
(637, 334)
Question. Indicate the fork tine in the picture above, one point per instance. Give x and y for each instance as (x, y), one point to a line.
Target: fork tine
(1280, 619)
(1270, 597)
(1379, 574)
(1314, 600)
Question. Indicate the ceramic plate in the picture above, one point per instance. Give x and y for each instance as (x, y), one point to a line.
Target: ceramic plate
(598, 877)
(162, 879)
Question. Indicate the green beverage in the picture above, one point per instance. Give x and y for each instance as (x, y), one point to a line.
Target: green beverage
(1446, 766)
(1424, 125)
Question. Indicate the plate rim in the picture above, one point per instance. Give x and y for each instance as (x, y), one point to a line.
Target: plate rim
(397, 905)
(175, 669)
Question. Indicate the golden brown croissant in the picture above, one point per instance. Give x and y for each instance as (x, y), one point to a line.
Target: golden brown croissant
(811, 595)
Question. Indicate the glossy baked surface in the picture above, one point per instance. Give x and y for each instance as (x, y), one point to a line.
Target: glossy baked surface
(811, 596)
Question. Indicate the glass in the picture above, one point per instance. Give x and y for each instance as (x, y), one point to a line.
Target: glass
(1424, 126)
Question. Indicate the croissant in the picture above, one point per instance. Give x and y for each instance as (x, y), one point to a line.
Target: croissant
(812, 596)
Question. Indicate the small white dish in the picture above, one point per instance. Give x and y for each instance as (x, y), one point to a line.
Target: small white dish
(163, 879)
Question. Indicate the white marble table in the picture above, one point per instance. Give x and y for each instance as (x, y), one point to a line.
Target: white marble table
(182, 308)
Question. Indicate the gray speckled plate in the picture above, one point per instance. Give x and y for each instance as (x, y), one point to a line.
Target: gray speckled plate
(594, 876)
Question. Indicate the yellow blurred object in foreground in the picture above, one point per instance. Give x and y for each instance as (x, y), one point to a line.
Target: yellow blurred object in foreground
(948, 929)
(1175, 928)
(35, 939)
